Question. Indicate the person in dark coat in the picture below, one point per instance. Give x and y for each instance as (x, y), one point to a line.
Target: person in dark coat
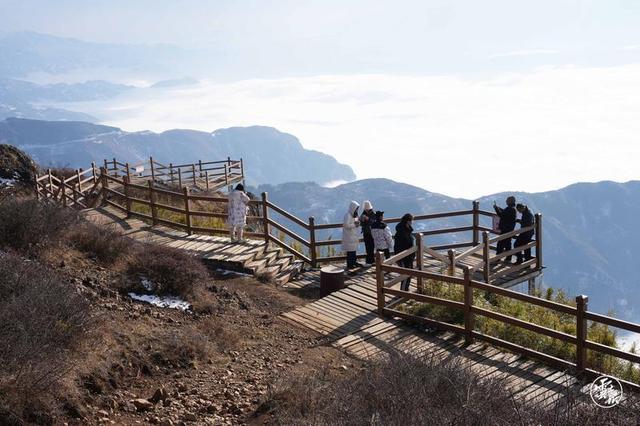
(367, 218)
(507, 224)
(526, 220)
(404, 240)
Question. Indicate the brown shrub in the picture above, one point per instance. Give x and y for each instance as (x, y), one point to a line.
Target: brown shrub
(173, 271)
(405, 391)
(29, 226)
(42, 322)
(103, 243)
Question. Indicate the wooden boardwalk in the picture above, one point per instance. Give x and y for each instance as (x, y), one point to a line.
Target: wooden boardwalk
(348, 317)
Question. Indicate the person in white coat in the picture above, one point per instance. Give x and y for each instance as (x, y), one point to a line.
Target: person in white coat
(238, 208)
(350, 234)
(382, 236)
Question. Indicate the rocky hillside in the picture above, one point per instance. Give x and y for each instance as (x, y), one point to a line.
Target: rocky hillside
(269, 155)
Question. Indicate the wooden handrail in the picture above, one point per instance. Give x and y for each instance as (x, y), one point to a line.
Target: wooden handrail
(288, 232)
(395, 258)
(288, 215)
(512, 234)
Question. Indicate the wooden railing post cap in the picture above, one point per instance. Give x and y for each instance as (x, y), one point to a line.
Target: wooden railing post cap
(582, 299)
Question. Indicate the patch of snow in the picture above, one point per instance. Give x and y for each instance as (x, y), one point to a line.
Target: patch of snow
(7, 182)
(162, 301)
(147, 284)
(235, 273)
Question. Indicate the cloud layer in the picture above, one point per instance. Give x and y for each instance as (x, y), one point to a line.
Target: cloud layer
(463, 137)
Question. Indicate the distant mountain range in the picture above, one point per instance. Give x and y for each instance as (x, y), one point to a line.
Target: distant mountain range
(269, 155)
(590, 229)
(24, 99)
(25, 52)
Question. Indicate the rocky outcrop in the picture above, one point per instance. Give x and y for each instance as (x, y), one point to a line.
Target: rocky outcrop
(16, 166)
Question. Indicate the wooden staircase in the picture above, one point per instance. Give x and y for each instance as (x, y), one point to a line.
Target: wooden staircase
(266, 262)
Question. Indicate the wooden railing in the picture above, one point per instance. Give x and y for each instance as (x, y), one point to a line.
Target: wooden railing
(385, 287)
(209, 175)
(72, 191)
(125, 186)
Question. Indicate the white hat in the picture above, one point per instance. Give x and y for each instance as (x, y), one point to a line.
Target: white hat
(366, 205)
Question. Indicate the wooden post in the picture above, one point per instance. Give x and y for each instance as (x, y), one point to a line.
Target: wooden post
(539, 241)
(485, 254)
(37, 188)
(153, 169)
(242, 168)
(419, 261)
(152, 202)
(128, 172)
(226, 175)
(581, 333)
(379, 283)
(51, 183)
(63, 192)
(452, 262)
(78, 172)
(468, 303)
(476, 223)
(200, 168)
(106, 165)
(180, 177)
(187, 212)
(206, 179)
(93, 172)
(312, 240)
(171, 173)
(193, 171)
(115, 166)
(127, 198)
(265, 218)
(105, 184)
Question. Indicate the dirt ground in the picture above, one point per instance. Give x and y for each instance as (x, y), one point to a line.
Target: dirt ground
(217, 365)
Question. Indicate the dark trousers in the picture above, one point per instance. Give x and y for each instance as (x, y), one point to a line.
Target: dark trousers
(407, 262)
(504, 245)
(386, 253)
(369, 246)
(523, 240)
(351, 259)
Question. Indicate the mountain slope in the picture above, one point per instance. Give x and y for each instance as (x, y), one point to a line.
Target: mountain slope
(269, 155)
(589, 236)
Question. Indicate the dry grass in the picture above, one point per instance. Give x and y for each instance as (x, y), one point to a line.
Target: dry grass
(101, 243)
(404, 391)
(173, 271)
(43, 321)
(30, 227)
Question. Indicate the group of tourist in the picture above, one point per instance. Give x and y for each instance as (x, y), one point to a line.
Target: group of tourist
(378, 237)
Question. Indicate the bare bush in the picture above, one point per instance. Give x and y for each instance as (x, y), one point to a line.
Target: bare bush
(42, 321)
(103, 243)
(173, 271)
(29, 226)
(405, 391)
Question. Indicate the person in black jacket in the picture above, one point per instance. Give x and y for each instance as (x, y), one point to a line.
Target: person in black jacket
(367, 218)
(507, 224)
(404, 240)
(526, 220)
